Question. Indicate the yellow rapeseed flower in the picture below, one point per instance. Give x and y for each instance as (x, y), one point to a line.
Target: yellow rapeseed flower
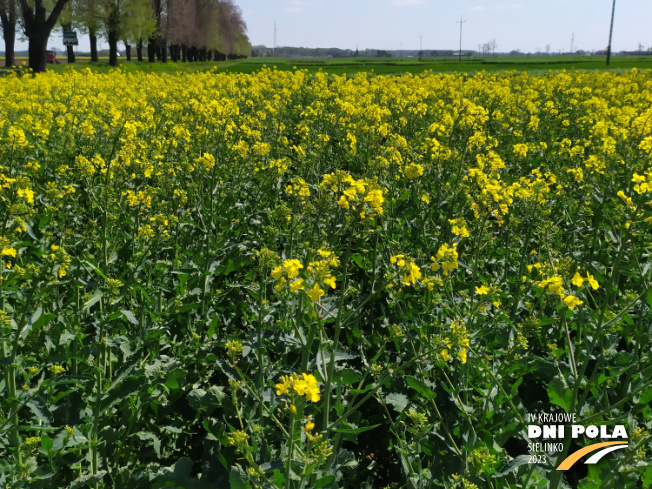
(315, 293)
(8, 252)
(577, 279)
(482, 290)
(571, 301)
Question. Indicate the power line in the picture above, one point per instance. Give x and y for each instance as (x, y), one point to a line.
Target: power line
(460, 22)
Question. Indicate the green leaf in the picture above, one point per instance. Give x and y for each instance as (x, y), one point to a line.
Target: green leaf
(47, 443)
(398, 401)
(76, 439)
(559, 393)
(360, 261)
(66, 337)
(356, 431)
(173, 378)
(87, 480)
(34, 317)
(361, 391)
(130, 317)
(148, 435)
(421, 387)
(346, 377)
(647, 478)
(279, 478)
(195, 398)
(95, 269)
(512, 465)
(594, 478)
(95, 298)
(646, 397)
(230, 267)
(122, 386)
(30, 231)
(237, 479)
(40, 410)
(324, 480)
(274, 465)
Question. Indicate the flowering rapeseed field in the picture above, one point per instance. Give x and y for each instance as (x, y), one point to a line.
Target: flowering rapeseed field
(294, 280)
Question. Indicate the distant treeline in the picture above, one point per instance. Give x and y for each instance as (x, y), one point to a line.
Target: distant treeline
(261, 51)
(299, 52)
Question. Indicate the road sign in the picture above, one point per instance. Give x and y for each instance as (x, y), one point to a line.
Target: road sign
(70, 38)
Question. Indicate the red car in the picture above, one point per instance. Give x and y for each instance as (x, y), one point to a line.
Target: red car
(51, 56)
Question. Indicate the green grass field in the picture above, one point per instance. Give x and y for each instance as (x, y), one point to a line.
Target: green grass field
(437, 65)
(377, 65)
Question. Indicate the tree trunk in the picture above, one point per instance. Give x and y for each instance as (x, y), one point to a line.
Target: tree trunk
(71, 54)
(38, 45)
(94, 58)
(184, 53)
(151, 49)
(113, 47)
(164, 50)
(9, 35)
(139, 49)
(112, 27)
(113, 51)
(128, 51)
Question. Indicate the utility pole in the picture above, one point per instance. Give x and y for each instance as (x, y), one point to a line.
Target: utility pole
(611, 29)
(572, 42)
(274, 49)
(461, 21)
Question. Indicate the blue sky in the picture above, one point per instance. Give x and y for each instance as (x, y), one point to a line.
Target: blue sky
(528, 25)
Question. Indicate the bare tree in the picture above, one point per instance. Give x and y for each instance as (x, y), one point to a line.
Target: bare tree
(493, 46)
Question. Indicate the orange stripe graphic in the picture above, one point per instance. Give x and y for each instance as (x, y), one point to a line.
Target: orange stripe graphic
(575, 456)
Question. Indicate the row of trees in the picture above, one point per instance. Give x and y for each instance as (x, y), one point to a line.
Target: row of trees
(186, 29)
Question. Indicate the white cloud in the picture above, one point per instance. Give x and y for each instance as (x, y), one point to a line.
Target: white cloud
(294, 6)
(497, 7)
(407, 3)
